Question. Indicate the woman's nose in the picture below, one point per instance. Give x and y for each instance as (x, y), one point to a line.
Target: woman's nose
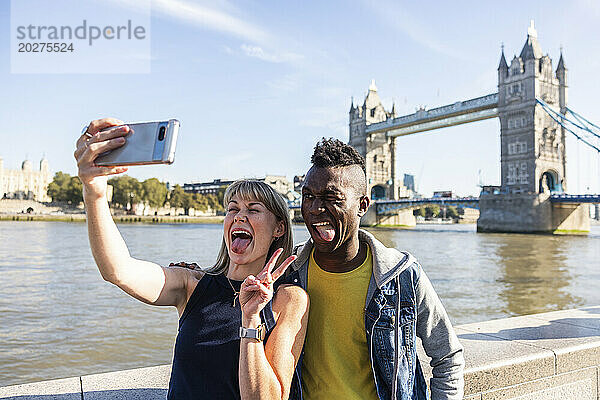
(240, 217)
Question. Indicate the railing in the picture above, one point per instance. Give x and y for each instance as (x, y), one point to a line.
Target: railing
(575, 198)
(386, 206)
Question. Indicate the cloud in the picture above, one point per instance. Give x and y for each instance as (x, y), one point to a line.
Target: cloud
(217, 19)
(261, 54)
(398, 18)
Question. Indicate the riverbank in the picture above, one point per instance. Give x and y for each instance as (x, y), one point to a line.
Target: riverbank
(122, 219)
(542, 356)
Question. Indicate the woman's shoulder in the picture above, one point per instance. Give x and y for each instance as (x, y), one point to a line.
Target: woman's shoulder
(290, 298)
(194, 269)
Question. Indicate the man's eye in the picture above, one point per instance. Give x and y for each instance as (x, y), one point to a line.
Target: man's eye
(253, 211)
(307, 196)
(231, 210)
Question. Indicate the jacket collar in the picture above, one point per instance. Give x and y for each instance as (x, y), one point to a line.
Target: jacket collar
(387, 262)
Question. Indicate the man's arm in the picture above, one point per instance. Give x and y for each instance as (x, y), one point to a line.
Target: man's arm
(440, 342)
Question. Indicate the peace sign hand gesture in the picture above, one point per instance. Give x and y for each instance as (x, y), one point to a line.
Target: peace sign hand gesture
(256, 292)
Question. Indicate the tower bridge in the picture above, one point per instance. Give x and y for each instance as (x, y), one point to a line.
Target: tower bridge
(531, 104)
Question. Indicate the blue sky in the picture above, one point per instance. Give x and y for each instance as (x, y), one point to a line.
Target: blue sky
(256, 83)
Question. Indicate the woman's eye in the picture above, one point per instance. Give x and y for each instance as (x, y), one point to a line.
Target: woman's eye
(253, 211)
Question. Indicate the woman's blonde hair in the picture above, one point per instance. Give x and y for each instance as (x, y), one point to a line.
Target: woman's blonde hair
(253, 190)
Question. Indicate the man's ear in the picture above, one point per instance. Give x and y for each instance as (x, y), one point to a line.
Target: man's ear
(279, 230)
(363, 205)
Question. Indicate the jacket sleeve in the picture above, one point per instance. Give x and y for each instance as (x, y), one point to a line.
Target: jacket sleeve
(440, 342)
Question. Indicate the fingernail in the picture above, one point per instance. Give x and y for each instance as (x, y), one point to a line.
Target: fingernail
(120, 140)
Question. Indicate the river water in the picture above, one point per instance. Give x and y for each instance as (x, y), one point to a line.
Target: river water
(58, 318)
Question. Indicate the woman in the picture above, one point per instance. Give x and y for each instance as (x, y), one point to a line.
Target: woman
(210, 360)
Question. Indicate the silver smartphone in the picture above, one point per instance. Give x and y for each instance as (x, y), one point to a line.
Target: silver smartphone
(147, 143)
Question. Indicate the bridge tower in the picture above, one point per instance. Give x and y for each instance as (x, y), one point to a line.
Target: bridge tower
(377, 148)
(532, 155)
(532, 143)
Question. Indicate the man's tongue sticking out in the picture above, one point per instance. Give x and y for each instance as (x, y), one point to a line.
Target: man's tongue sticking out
(326, 232)
(240, 244)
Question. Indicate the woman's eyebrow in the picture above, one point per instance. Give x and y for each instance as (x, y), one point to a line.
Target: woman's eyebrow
(256, 203)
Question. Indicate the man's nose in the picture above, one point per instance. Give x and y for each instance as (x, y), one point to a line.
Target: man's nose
(317, 206)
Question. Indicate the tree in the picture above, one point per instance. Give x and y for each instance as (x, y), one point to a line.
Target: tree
(65, 187)
(214, 202)
(419, 212)
(57, 189)
(154, 192)
(200, 202)
(432, 211)
(180, 199)
(127, 191)
(451, 212)
(220, 197)
(74, 191)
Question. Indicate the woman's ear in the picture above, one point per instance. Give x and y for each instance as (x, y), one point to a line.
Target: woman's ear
(279, 230)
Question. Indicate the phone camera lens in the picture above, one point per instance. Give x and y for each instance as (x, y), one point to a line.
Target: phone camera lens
(161, 133)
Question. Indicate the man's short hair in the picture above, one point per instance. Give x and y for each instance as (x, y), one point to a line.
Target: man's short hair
(335, 153)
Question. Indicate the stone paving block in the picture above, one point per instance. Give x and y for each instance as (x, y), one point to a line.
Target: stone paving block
(499, 363)
(587, 317)
(574, 385)
(58, 389)
(575, 346)
(491, 363)
(134, 384)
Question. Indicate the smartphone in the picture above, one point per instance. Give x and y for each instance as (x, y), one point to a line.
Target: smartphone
(147, 143)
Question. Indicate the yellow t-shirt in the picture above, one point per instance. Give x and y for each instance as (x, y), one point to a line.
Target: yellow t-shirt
(336, 362)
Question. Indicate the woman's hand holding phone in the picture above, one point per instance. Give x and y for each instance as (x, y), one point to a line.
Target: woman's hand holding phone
(101, 135)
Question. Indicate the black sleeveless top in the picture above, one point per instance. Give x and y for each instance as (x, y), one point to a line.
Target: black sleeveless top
(207, 348)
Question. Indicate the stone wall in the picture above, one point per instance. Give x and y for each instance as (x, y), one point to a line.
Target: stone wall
(554, 355)
(530, 213)
(22, 206)
(402, 217)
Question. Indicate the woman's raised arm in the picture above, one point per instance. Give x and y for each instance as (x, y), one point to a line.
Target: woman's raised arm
(146, 281)
(266, 371)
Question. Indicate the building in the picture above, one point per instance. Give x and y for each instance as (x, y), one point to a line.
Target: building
(277, 182)
(532, 143)
(377, 149)
(25, 183)
(298, 182)
(409, 182)
(443, 193)
(205, 188)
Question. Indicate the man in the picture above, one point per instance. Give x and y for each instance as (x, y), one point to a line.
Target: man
(368, 302)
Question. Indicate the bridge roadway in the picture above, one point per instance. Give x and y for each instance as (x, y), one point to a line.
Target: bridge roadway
(389, 206)
(461, 112)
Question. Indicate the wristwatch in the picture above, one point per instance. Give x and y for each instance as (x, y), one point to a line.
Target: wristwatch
(257, 334)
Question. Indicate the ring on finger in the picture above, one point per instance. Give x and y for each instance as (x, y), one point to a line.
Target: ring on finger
(85, 132)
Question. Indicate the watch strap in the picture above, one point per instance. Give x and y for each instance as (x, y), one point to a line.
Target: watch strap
(257, 334)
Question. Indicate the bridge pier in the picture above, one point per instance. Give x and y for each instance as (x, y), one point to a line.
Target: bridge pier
(531, 213)
(402, 217)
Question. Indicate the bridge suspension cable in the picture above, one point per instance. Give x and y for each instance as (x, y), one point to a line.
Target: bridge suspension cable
(583, 130)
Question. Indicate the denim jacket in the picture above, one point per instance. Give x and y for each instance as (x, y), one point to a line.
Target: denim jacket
(401, 304)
